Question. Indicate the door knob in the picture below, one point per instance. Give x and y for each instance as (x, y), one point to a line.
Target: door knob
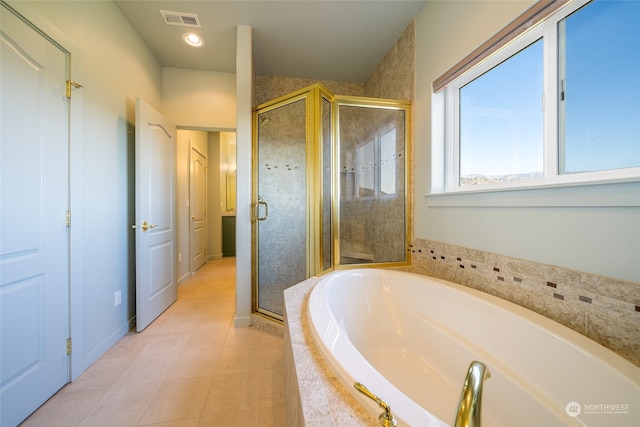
(146, 226)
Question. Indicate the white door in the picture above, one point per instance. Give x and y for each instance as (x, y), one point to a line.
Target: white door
(34, 278)
(198, 209)
(156, 252)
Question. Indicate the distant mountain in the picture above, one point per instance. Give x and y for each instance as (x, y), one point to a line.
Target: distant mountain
(479, 179)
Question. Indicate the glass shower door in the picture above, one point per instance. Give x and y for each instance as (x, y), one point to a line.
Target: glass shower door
(282, 203)
(373, 220)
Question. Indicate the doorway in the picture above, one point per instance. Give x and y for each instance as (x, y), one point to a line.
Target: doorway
(329, 189)
(206, 162)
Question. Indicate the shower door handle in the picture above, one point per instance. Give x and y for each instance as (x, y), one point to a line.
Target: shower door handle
(266, 209)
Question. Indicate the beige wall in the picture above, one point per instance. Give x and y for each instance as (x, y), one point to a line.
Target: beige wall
(199, 99)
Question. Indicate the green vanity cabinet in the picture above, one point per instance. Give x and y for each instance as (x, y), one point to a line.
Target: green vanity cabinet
(228, 235)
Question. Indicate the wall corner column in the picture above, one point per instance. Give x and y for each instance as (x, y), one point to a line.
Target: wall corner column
(244, 90)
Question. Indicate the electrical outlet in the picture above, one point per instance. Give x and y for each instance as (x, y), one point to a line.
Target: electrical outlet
(118, 298)
(179, 257)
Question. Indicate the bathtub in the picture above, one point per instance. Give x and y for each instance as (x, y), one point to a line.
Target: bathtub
(410, 339)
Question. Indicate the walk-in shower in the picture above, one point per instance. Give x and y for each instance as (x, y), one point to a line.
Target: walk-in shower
(329, 188)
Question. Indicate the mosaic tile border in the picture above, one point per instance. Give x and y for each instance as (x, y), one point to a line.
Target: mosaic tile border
(605, 310)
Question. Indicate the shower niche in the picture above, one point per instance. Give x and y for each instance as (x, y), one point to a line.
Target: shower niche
(330, 189)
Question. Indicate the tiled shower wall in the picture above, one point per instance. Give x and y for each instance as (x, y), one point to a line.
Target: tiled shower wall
(604, 309)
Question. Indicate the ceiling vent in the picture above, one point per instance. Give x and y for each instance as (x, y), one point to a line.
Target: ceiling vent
(179, 18)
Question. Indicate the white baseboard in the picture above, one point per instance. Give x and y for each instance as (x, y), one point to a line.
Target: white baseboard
(242, 322)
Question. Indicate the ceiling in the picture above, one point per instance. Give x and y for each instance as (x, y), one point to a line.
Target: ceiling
(323, 40)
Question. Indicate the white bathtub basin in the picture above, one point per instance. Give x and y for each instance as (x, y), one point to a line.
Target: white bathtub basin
(410, 339)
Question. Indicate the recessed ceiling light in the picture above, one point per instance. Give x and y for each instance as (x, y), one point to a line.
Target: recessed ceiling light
(192, 39)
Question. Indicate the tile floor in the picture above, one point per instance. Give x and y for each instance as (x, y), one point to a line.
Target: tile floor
(189, 368)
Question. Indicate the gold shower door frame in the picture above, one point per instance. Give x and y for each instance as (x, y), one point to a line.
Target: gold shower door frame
(377, 104)
(315, 188)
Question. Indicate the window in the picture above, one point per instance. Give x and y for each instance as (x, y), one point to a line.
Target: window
(501, 123)
(376, 163)
(560, 104)
(365, 165)
(599, 65)
(388, 163)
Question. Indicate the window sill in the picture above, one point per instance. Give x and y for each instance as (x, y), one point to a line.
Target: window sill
(624, 193)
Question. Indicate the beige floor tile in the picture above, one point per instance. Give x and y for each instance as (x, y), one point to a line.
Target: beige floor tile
(177, 400)
(239, 358)
(239, 336)
(272, 355)
(271, 387)
(197, 361)
(231, 419)
(121, 406)
(101, 375)
(64, 409)
(180, 324)
(221, 304)
(157, 326)
(205, 337)
(272, 416)
(232, 393)
(216, 320)
(166, 344)
(182, 423)
(129, 346)
(148, 368)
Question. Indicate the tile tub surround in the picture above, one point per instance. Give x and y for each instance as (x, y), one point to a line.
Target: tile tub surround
(605, 310)
(314, 396)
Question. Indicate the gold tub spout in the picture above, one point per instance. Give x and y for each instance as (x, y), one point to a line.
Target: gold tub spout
(386, 418)
(470, 403)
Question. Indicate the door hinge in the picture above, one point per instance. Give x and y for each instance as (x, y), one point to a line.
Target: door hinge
(68, 216)
(68, 346)
(74, 84)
